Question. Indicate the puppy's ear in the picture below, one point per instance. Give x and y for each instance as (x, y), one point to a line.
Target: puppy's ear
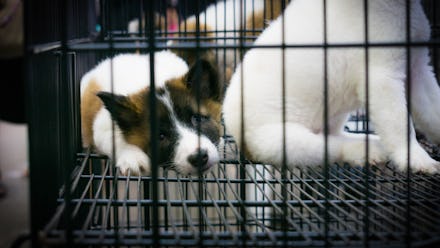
(203, 80)
(120, 108)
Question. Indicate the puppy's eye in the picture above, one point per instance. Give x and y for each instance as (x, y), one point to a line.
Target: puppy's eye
(162, 136)
(198, 119)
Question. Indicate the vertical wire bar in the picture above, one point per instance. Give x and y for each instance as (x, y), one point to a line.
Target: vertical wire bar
(146, 183)
(283, 119)
(184, 195)
(154, 127)
(216, 41)
(147, 215)
(113, 157)
(161, 8)
(234, 31)
(106, 214)
(435, 51)
(185, 210)
(265, 17)
(76, 105)
(408, 120)
(265, 187)
(140, 15)
(206, 223)
(223, 224)
(28, 39)
(252, 32)
(367, 129)
(326, 132)
(125, 207)
(242, 171)
(224, 40)
(168, 209)
(128, 207)
(199, 193)
(240, 217)
(65, 153)
(92, 208)
(139, 210)
(223, 165)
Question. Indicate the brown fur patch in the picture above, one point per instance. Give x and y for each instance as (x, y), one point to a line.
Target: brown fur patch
(138, 100)
(260, 19)
(189, 29)
(90, 105)
(256, 22)
(214, 109)
(134, 136)
(274, 8)
(228, 74)
(178, 83)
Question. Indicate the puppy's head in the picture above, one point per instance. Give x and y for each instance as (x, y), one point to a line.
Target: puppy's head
(188, 117)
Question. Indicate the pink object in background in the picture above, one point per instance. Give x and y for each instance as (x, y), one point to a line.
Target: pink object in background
(172, 18)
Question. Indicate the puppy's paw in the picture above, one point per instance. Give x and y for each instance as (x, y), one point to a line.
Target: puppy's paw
(420, 161)
(354, 153)
(134, 161)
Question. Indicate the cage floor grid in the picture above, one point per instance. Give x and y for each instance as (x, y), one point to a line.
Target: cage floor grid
(245, 204)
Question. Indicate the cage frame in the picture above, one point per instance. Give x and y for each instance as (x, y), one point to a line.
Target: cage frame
(64, 123)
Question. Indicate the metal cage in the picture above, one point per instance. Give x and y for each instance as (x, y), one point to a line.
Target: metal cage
(79, 198)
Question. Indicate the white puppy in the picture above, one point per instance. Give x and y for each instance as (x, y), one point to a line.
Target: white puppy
(261, 77)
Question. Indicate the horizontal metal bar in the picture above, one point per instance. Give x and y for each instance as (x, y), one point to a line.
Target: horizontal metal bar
(224, 203)
(225, 238)
(389, 180)
(244, 45)
(140, 44)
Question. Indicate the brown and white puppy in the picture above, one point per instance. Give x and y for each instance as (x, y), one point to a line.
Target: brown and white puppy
(188, 110)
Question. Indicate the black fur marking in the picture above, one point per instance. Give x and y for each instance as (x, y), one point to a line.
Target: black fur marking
(120, 109)
(203, 80)
(168, 135)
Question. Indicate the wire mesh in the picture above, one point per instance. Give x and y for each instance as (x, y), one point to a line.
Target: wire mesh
(108, 208)
(239, 203)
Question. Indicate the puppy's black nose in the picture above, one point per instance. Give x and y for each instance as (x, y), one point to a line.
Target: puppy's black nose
(199, 158)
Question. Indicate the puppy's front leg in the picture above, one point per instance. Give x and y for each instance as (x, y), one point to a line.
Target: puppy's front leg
(354, 150)
(302, 146)
(425, 96)
(388, 110)
(128, 157)
(133, 159)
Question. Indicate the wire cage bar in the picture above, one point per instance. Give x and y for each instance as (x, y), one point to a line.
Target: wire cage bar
(240, 202)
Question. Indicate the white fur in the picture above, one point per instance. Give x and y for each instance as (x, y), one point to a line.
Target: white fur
(130, 73)
(261, 74)
(188, 144)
